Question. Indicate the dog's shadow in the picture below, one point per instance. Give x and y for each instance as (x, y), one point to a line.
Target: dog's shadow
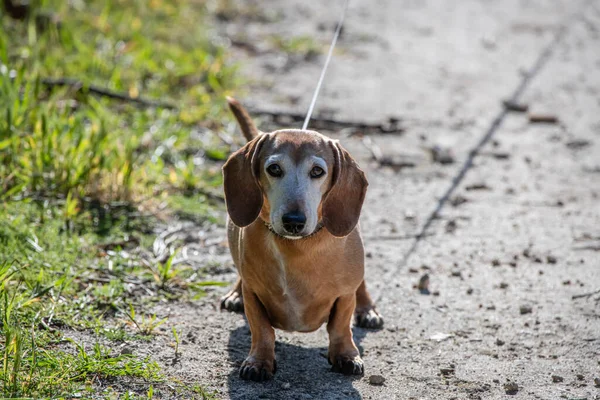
(302, 372)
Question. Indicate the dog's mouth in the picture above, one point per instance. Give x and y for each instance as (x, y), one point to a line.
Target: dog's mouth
(293, 237)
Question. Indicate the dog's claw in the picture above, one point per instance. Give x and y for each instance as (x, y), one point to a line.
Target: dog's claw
(369, 319)
(258, 371)
(233, 302)
(348, 365)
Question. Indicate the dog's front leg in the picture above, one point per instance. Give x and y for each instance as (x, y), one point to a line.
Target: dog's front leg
(343, 354)
(260, 363)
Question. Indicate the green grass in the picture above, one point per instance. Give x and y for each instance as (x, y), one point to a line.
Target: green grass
(85, 145)
(84, 178)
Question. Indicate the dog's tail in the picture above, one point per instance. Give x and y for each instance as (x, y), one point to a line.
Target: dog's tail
(243, 119)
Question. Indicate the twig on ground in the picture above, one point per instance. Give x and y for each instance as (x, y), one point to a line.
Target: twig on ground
(46, 326)
(80, 86)
(398, 237)
(543, 118)
(331, 124)
(590, 294)
(593, 247)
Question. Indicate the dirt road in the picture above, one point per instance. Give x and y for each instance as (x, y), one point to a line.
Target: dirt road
(508, 233)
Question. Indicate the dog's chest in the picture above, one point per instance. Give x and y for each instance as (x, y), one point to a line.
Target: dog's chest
(296, 301)
(290, 289)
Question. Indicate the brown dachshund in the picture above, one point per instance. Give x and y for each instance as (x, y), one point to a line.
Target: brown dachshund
(294, 198)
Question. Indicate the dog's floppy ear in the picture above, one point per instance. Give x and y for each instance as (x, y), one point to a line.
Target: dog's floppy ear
(343, 202)
(243, 195)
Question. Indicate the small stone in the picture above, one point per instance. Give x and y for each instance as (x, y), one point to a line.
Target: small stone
(580, 377)
(126, 350)
(537, 260)
(451, 226)
(597, 382)
(376, 380)
(551, 259)
(436, 293)
(456, 274)
(409, 215)
(470, 291)
(500, 342)
(458, 200)
(286, 385)
(511, 388)
(525, 310)
(495, 262)
(413, 270)
(489, 42)
(512, 105)
(503, 285)
(440, 336)
(449, 370)
(557, 378)
(442, 155)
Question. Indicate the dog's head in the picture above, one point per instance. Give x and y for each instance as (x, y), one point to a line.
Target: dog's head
(296, 181)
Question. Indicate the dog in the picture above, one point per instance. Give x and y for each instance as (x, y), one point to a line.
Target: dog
(294, 199)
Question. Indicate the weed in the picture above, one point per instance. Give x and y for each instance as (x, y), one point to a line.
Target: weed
(176, 337)
(204, 394)
(145, 325)
(166, 272)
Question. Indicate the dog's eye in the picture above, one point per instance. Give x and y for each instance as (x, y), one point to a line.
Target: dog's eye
(316, 172)
(275, 170)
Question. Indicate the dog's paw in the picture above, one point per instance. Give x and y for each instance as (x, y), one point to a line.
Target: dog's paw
(233, 301)
(369, 319)
(257, 370)
(348, 365)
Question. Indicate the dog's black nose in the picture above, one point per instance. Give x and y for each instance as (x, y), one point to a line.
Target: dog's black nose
(293, 222)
